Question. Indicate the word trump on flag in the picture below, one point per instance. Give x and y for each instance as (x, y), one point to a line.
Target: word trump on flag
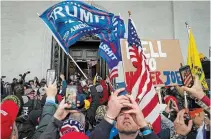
(71, 20)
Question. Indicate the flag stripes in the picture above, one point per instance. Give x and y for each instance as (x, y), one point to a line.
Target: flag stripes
(141, 86)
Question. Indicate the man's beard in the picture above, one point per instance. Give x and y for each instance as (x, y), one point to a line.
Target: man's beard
(131, 132)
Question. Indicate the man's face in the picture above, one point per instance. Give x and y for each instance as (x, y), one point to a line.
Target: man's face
(31, 83)
(198, 120)
(125, 124)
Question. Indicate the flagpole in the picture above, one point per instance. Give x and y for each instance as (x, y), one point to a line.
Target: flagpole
(129, 12)
(110, 82)
(188, 29)
(88, 66)
(158, 89)
(185, 93)
(64, 50)
(77, 65)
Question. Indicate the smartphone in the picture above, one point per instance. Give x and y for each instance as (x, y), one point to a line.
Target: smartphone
(171, 104)
(51, 76)
(186, 75)
(71, 96)
(121, 85)
(187, 118)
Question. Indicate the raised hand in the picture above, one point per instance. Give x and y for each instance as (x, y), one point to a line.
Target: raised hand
(180, 126)
(116, 103)
(174, 107)
(62, 77)
(135, 112)
(196, 90)
(51, 90)
(61, 113)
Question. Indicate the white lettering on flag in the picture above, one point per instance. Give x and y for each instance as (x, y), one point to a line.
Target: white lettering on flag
(109, 52)
(88, 16)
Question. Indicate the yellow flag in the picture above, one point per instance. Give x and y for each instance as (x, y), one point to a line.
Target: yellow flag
(194, 61)
(95, 79)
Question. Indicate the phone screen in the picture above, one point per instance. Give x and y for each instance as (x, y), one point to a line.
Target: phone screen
(121, 85)
(51, 76)
(186, 76)
(71, 95)
(171, 104)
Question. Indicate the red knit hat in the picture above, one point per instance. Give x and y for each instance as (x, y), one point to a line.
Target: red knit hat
(75, 135)
(194, 112)
(9, 111)
(168, 98)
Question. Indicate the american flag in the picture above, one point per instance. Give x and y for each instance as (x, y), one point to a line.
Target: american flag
(140, 85)
(92, 63)
(113, 73)
(187, 78)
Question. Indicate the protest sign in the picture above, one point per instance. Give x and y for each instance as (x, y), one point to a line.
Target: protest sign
(163, 57)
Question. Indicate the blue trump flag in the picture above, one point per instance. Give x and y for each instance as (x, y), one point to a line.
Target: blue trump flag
(112, 38)
(107, 53)
(117, 30)
(71, 20)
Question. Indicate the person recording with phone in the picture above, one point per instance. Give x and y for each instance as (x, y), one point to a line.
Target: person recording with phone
(129, 120)
(197, 92)
(171, 109)
(48, 110)
(54, 118)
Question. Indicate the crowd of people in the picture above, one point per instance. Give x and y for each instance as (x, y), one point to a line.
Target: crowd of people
(37, 110)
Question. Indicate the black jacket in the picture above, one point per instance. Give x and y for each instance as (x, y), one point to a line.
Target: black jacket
(102, 131)
(91, 112)
(52, 129)
(193, 134)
